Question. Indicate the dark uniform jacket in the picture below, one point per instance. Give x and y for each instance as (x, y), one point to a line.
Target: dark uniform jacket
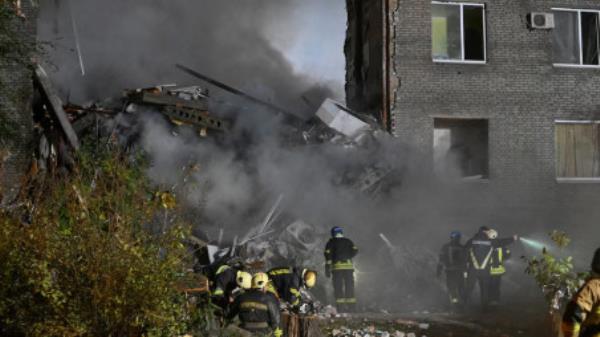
(480, 251)
(287, 282)
(225, 281)
(258, 311)
(339, 253)
(452, 257)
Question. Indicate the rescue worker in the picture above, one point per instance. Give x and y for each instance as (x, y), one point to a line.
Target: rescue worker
(227, 281)
(452, 261)
(479, 251)
(497, 268)
(287, 281)
(339, 253)
(582, 315)
(258, 310)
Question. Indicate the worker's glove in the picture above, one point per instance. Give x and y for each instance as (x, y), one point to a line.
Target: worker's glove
(328, 271)
(278, 332)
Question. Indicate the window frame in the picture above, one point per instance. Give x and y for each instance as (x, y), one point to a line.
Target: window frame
(580, 64)
(573, 180)
(485, 178)
(462, 33)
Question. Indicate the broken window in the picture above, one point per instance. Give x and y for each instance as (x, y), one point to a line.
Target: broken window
(576, 37)
(458, 32)
(461, 147)
(577, 146)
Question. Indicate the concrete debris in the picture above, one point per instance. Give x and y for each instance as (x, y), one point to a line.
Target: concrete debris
(234, 91)
(185, 105)
(341, 119)
(369, 331)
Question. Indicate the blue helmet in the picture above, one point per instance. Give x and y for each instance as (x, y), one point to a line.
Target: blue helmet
(455, 235)
(335, 231)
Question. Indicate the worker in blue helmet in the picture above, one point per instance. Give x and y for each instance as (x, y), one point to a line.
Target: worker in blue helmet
(339, 253)
(452, 262)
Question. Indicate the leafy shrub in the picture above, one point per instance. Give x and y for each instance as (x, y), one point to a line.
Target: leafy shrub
(555, 275)
(99, 253)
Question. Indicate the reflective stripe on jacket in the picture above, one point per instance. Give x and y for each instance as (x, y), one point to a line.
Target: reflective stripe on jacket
(339, 253)
(497, 265)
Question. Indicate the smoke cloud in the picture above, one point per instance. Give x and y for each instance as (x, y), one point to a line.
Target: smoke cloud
(136, 43)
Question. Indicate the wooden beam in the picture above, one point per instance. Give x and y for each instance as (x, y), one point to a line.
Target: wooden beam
(56, 104)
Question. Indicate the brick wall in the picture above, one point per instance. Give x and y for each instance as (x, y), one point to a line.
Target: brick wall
(16, 113)
(363, 50)
(518, 91)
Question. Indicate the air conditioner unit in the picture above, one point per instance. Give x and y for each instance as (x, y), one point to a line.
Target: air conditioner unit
(537, 20)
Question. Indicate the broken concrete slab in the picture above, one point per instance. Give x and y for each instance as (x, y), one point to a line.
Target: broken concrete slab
(341, 119)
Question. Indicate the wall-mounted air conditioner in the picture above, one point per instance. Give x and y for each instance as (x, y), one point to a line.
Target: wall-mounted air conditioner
(538, 20)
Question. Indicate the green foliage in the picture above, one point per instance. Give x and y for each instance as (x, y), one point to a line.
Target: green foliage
(99, 255)
(555, 275)
(560, 238)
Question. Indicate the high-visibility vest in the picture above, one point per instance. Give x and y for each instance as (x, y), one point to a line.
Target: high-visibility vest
(497, 268)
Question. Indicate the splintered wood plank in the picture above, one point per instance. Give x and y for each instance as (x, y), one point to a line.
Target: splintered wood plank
(56, 105)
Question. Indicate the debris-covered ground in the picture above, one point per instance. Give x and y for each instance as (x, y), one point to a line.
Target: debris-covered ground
(503, 323)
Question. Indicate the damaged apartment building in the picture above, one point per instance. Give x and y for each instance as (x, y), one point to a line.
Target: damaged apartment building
(507, 93)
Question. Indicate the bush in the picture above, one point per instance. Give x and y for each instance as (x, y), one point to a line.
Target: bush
(99, 253)
(555, 275)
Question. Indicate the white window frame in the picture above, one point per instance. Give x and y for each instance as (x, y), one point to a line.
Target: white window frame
(580, 65)
(575, 180)
(462, 33)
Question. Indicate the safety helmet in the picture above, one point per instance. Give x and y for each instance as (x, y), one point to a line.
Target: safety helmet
(455, 235)
(260, 281)
(309, 277)
(336, 231)
(596, 262)
(492, 234)
(243, 279)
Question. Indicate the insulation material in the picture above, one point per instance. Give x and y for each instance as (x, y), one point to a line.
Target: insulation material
(339, 118)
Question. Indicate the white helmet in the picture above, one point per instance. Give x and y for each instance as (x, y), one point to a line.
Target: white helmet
(492, 234)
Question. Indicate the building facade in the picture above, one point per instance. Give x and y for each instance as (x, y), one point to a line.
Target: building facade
(16, 95)
(509, 100)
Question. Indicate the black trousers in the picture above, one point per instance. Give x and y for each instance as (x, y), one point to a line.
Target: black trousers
(455, 282)
(483, 278)
(343, 289)
(495, 287)
(590, 331)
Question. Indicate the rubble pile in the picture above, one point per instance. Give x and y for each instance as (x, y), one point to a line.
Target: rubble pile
(280, 238)
(413, 325)
(368, 329)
